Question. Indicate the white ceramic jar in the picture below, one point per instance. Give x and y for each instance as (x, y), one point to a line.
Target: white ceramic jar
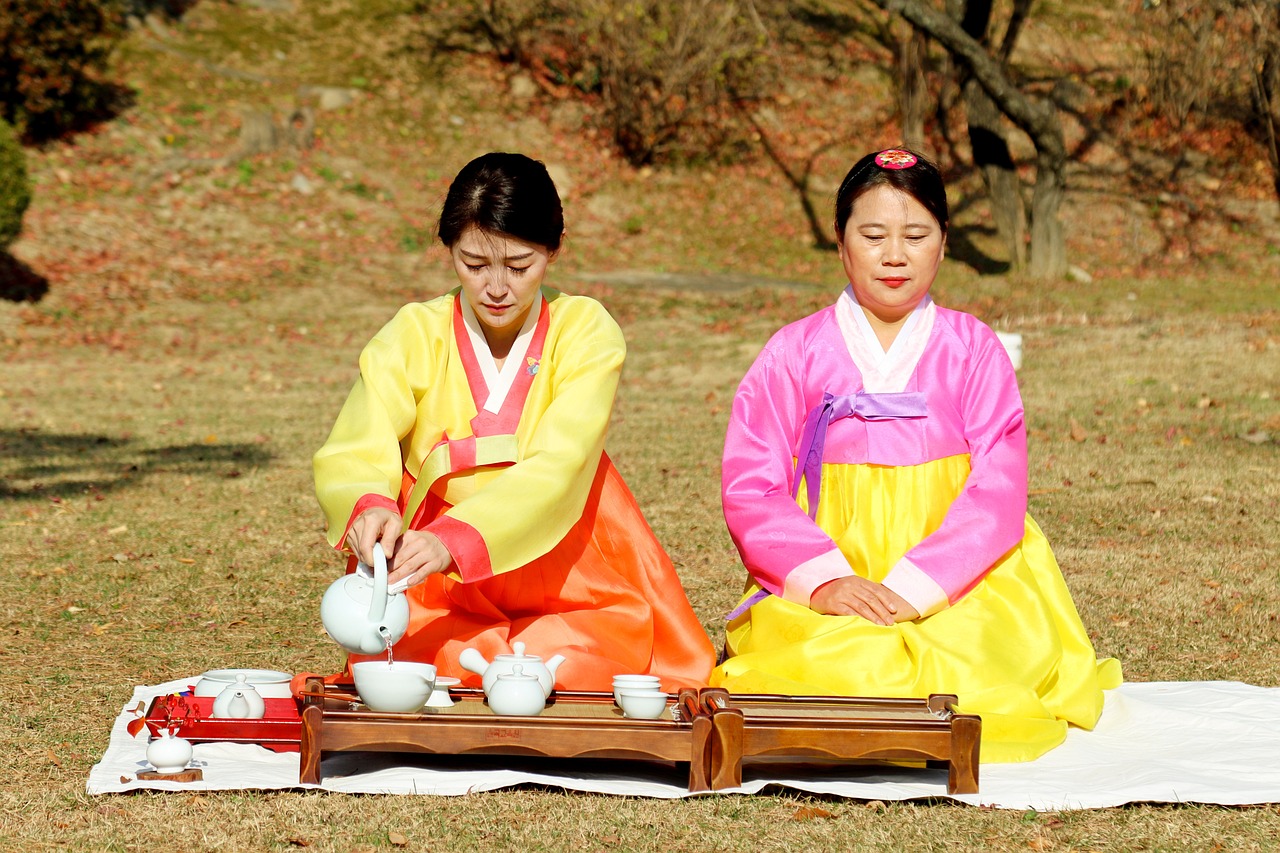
(169, 753)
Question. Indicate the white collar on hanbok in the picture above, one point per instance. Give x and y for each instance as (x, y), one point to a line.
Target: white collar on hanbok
(499, 382)
(884, 371)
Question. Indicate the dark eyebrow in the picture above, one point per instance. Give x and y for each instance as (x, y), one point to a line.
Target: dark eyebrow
(926, 225)
(508, 259)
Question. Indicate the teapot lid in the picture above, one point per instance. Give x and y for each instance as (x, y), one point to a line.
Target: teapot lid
(518, 654)
(517, 673)
(240, 686)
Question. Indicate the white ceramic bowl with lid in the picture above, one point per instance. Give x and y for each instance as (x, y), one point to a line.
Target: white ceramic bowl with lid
(270, 683)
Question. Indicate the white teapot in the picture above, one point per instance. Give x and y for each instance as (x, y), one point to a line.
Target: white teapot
(358, 611)
(516, 694)
(473, 661)
(239, 701)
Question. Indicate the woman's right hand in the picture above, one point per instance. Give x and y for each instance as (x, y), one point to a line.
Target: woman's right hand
(377, 524)
(857, 596)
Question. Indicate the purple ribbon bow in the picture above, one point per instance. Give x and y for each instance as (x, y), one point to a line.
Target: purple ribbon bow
(884, 406)
(870, 407)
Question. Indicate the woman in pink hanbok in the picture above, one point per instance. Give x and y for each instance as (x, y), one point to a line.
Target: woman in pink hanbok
(875, 484)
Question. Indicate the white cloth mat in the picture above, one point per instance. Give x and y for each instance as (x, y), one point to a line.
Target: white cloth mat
(1215, 742)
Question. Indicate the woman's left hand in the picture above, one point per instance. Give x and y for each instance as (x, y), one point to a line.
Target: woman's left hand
(857, 596)
(418, 555)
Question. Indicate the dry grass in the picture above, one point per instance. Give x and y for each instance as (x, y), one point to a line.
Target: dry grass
(159, 406)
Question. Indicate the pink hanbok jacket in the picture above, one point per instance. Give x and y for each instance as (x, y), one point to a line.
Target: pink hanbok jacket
(961, 397)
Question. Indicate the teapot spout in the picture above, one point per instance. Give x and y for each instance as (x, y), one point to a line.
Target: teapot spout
(472, 661)
(553, 664)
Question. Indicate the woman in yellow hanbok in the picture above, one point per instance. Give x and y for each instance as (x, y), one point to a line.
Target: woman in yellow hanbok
(472, 448)
(875, 484)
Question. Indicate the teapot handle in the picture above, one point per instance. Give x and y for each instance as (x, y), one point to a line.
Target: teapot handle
(378, 600)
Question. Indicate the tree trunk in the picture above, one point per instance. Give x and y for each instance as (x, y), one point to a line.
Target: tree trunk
(1048, 240)
(992, 157)
(1037, 119)
(912, 87)
(988, 143)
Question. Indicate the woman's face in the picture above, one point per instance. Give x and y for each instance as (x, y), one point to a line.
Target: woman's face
(500, 277)
(891, 249)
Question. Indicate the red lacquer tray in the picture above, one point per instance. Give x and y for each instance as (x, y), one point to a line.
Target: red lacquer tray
(280, 728)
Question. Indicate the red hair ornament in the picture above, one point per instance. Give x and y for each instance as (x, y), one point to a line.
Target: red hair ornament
(896, 158)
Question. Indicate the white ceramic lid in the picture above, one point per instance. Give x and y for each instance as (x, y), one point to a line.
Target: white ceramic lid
(251, 676)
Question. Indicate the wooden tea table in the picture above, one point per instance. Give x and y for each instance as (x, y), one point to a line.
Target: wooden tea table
(714, 732)
(573, 725)
(827, 728)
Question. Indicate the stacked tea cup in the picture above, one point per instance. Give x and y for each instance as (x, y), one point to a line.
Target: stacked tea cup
(640, 696)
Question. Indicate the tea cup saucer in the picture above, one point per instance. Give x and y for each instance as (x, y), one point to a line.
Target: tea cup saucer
(440, 697)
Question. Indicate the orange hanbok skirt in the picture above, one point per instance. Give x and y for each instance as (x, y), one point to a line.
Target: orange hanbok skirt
(607, 597)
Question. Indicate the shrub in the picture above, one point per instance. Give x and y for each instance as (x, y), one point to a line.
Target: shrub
(15, 191)
(670, 71)
(51, 52)
(664, 73)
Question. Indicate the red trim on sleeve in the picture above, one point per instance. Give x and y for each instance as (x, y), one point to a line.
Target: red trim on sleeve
(470, 554)
(367, 502)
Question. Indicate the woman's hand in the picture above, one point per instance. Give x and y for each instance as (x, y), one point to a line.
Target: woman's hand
(372, 526)
(857, 596)
(418, 555)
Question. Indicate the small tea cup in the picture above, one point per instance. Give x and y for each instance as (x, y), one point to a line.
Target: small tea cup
(440, 697)
(643, 704)
(633, 682)
(402, 687)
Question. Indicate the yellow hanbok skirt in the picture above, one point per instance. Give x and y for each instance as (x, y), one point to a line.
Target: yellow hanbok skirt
(1013, 649)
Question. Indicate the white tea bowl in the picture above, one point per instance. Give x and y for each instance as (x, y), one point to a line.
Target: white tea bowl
(634, 682)
(401, 687)
(643, 704)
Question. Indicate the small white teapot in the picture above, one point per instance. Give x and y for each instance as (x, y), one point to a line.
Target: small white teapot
(239, 701)
(472, 661)
(358, 611)
(515, 694)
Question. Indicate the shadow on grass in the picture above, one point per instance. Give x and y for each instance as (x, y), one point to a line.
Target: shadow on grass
(35, 464)
(19, 282)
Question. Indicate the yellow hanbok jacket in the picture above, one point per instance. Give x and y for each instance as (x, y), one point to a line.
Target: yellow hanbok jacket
(507, 466)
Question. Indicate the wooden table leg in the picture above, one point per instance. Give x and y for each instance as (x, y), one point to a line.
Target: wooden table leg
(726, 748)
(309, 758)
(966, 736)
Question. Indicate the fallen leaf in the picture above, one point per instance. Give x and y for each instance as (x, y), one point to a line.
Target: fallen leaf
(1040, 843)
(57, 762)
(397, 839)
(125, 780)
(74, 609)
(124, 528)
(136, 725)
(1077, 432)
(811, 813)
(186, 560)
(298, 842)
